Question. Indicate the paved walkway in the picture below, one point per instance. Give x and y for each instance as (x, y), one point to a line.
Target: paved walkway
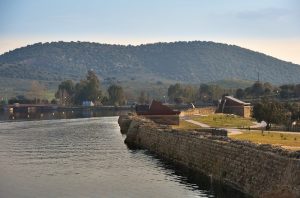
(235, 131)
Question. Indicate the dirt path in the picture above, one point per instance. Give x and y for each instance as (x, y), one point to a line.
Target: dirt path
(258, 125)
(231, 131)
(197, 123)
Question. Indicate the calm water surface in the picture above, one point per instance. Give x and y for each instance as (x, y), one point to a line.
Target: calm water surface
(86, 157)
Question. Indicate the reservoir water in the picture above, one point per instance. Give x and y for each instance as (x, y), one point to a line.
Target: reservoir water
(87, 157)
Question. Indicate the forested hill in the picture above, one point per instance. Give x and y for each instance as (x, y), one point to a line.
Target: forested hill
(190, 62)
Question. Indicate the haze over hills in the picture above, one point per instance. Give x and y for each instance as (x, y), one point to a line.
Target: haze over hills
(188, 62)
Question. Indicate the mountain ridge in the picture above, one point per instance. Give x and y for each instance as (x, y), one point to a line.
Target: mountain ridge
(181, 61)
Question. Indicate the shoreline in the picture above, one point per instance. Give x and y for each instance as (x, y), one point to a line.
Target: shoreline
(257, 170)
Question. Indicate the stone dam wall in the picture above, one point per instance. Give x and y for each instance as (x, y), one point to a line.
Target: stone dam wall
(258, 170)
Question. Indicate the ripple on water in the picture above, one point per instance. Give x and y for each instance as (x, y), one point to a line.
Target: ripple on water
(85, 158)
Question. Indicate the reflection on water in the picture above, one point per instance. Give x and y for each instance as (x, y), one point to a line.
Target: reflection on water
(87, 158)
(68, 114)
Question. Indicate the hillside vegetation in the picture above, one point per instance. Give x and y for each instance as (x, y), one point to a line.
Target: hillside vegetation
(189, 62)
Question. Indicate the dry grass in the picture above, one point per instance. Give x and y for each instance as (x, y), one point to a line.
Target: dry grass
(287, 140)
(224, 120)
(185, 125)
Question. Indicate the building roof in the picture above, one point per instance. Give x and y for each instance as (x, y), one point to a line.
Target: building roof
(237, 100)
(155, 108)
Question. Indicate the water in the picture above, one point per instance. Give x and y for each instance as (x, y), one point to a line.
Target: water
(55, 114)
(86, 157)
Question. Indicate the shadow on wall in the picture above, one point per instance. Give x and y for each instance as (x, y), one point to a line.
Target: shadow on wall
(195, 180)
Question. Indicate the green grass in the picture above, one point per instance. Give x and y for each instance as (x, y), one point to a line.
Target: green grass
(185, 125)
(223, 120)
(49, 95)
(275, 138)
(12, 87)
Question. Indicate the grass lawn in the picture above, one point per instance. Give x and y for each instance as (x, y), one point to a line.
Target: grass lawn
(185, 125)
(49, 95)
(223, 120)
(286, 140)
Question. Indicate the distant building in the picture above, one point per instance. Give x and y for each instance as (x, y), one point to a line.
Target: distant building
(231, 105)
(159, 113)
(155, 108)
(88, 104)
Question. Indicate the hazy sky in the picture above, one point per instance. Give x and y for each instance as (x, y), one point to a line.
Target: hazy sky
(268, 26)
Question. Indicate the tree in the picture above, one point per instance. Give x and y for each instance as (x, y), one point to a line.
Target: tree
(65, 92)
(36, 91)
(93, 86)
(257, 89)
(116, 95)
(174, 91)
(287, 91)
(205, 93)
(105, 100)
(178, 100)
(143, 98)
(271, 112)
(189, 94)
(294, 109)
(186, 93)
(297, 90)
(21, 99)
(88, 89)
(240, 93)
(67, 85)
(268, 88)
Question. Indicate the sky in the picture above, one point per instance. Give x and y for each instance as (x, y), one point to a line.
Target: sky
(268, 26)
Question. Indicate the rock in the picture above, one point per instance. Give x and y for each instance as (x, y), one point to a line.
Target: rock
(124, 123)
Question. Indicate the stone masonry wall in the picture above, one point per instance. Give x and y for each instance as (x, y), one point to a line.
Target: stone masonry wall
(259, 170)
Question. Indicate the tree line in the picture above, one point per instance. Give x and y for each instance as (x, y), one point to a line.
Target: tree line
(275, 112)
(259, 89)
(89, 89)
(273, 104)
(205, 93)
(269, 102)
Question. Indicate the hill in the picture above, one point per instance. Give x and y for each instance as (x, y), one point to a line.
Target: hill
(188, 62)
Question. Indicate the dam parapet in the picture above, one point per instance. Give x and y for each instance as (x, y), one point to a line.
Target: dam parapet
(259, 170)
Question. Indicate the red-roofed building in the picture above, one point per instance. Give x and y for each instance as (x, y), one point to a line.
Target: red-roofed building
(159, 113)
